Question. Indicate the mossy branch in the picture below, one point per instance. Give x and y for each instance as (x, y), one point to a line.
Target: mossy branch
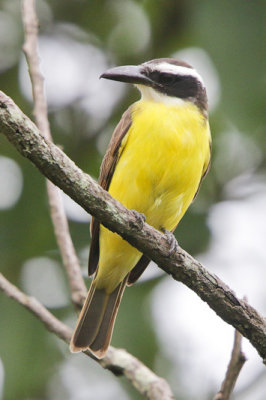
(56, 166)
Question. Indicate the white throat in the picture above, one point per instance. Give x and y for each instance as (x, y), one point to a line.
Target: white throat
(150, 94)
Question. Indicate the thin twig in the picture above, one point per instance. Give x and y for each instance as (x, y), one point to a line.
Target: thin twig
(117, 361)
(55, 165)
(59, 220)
(235, 365)
(30, 22)
(140, 376)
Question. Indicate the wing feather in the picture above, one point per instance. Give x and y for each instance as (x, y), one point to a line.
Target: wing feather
(205, 170)
(106, 173)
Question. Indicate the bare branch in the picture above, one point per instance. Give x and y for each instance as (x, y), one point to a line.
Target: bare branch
(142, 378)
(65, 244)
(117, 361)
(55, 165)
(30, 22)
(235, 365)
(59, 220)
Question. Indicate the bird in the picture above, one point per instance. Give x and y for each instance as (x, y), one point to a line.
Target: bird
(157, 157)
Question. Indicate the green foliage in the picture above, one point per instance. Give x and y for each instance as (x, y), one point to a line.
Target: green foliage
(232, 34)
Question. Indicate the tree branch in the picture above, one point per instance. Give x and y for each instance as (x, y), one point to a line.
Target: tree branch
(145, 381)
(235, 365)
(30, 22)
(59, 220)
(117, 361)
(62, 171)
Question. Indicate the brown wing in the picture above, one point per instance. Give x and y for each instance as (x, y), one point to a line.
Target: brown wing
(204, 172)
(138, 270)
(106, 173)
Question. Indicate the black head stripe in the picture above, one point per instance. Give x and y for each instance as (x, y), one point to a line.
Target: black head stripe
(183, 86)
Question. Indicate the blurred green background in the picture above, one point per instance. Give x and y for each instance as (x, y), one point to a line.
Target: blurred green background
(160, 322)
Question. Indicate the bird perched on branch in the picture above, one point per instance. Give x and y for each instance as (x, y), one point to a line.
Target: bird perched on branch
(155, 162)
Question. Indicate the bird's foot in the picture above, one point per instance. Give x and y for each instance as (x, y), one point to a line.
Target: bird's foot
(141, 218)
(170, 237)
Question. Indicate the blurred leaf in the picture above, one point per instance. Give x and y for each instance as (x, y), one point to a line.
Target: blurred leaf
(233, 36)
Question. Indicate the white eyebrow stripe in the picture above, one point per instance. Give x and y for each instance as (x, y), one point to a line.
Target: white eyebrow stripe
(177, 70)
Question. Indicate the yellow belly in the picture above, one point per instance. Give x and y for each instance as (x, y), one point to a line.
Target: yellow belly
(162, 159)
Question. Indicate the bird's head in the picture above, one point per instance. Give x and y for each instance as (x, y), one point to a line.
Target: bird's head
(165, 80)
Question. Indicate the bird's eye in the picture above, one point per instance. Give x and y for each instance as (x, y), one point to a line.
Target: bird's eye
(166, 79)
(163, 78)
(154, 76)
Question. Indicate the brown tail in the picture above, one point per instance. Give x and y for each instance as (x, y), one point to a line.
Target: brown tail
(96, 321)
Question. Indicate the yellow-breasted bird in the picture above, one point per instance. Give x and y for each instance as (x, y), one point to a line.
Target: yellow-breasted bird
(155, 162)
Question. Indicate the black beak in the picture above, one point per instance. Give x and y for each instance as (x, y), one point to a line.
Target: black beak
(128, 73)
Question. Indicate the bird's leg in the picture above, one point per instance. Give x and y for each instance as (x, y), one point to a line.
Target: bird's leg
(141, 218)
(170, 237)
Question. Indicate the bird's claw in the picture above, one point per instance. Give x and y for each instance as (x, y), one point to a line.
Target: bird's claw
(170, 237)
(141, 218)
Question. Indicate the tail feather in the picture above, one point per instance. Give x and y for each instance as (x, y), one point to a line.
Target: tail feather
(96, 321)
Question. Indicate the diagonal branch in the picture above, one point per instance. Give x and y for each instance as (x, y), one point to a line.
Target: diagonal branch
(59, 220)
(145, 381)
(117, 361)
(30, 46)
(141, 377)
(235, 365)
(62, 171)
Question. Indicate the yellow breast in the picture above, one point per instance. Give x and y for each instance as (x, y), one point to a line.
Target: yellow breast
(165, 153)
(162, 160)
